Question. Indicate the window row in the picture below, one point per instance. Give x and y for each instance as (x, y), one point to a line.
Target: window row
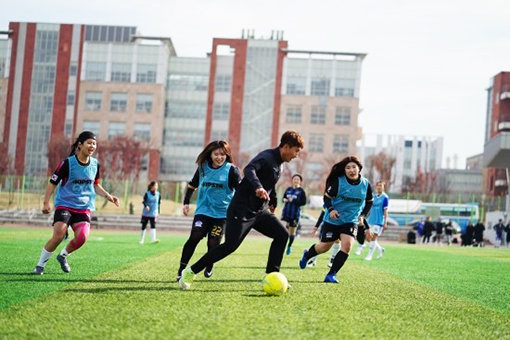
(118, 101)
(320, 86)
(294, 114)
(316, 143)
(141, 131)
(121, 72)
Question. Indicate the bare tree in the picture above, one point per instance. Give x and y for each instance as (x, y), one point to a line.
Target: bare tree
(58, 149)
(6, 166)
(383, 164)
(123, 156)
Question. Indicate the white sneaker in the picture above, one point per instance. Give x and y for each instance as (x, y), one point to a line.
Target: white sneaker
(141, 242)
(368, 258)
(358, 251)
(381, 252)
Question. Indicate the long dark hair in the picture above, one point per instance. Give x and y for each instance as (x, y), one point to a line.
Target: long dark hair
(151, 184)
(81, 139)
(338, 170)
(205, 155)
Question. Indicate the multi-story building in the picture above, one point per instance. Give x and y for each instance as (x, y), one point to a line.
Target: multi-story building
(412, 154)
(320, 99)
(122, 92)
(458, 181)
(497, 136)
(60, 79)
(184, 119)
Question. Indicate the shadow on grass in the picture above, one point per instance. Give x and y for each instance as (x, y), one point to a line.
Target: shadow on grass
(100, 290)
(44, 279)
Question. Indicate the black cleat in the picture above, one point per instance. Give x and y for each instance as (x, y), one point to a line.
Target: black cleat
(63, 264)
(38, 270)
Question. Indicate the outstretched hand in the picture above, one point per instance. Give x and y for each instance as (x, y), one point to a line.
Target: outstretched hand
(113, 199)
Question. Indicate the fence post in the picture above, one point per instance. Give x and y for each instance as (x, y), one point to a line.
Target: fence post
(126, 189)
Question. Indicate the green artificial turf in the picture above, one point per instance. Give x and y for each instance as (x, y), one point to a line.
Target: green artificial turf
(118, 289)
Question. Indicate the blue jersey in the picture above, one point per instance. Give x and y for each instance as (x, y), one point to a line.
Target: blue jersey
(349, 201)
(151, 200)
(78, 191)
(292, 210)
(214, 194)
(377, 213)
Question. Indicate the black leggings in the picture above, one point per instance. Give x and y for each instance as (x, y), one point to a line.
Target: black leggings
(238, 226)
(191, 244)
(144, 221)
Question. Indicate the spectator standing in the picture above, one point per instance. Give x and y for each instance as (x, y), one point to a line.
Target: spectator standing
(479, 228)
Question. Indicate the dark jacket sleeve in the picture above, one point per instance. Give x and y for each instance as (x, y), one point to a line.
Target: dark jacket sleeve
(234, 177)
(145, 198)
(302, 198)
(273, 200)
(195, 181)
(250, 172)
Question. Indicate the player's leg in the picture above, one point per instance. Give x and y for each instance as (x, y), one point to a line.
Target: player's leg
(213, 240)
(334, 250)
(80, 223)
(235, 231)
(269, 225)
(154, 239)
(144, 222)
(347, 240)
(329, 234)
(292, 227)
(59, 232)
(198, 231)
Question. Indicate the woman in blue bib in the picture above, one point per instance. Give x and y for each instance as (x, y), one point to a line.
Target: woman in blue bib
(348, 199)
(150, 212)
(77, 182)
(216, 179)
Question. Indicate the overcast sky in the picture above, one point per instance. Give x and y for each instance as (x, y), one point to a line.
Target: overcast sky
(428, 65)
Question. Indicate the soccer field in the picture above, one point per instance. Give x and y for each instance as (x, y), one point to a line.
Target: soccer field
(120, 289)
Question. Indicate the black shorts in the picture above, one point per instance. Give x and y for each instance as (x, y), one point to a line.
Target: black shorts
(293, 222)
(331, 232)
(214, 227)
(146, 219)
(70, 217)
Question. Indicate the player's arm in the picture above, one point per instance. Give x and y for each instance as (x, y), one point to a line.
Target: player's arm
(250, 173)
(273, 200)
(192, 186)
(60, 173)
(331, 191)
(50, 189)
(369, 201)
(385, 214)
(101, 191)
(146, 202)
(302, 198)
(234, 177)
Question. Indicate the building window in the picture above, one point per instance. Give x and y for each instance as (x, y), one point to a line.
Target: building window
(143, 102)
(121, 72)
(146, 73)
(341, 143)
(73, 69)
(189, 110)
(318, 115)
(343, 115)
(296, 85)
(92, 125)
(193, 138)
(93, 101)
(118, 102)
(221, 111)
(314, 171)
(188, 82)
(293, 114)
(70, 98)
(142, 131)
(95, 71)
(222, 83)
(320, 87)
(344, 87)
(408, 143)
(219, 135)
(116, 129)
(316, 143)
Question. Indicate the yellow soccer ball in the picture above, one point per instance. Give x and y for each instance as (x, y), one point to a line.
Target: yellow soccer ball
(275, 283)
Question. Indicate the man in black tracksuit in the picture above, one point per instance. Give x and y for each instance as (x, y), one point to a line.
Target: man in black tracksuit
(252, 206)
